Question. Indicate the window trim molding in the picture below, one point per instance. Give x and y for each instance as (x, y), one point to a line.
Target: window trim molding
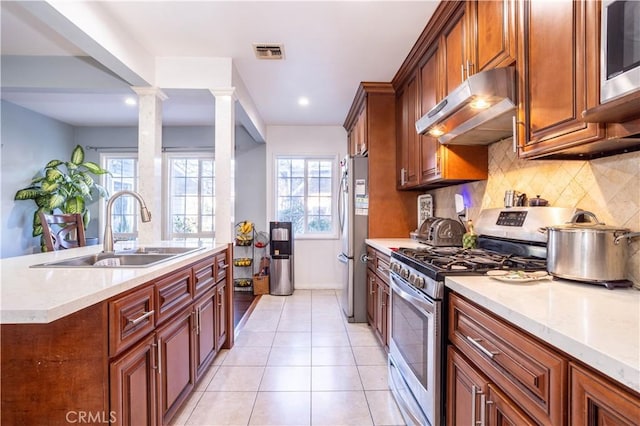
(102, 209)
(335, 169)
(166, 174)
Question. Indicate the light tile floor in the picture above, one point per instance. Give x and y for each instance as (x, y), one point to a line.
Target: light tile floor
(296, 361)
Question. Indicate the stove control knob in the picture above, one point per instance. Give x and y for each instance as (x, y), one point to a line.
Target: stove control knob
(419, 282)
(412, 279)
(404, 273)
(395, 267)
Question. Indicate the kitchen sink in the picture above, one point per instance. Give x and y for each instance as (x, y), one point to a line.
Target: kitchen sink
(138, 258)
(160, 250)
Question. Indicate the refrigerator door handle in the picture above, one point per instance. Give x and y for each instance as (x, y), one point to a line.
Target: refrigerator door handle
(341, 206)
(343, 259)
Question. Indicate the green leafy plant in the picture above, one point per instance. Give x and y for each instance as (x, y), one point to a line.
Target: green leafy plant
(65, 186)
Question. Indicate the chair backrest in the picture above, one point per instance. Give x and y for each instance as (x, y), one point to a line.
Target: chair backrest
(59, 229)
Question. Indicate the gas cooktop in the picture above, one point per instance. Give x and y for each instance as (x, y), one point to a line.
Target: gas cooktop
(437, 262)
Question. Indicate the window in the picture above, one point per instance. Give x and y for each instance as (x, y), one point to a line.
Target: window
(191, 197)
(124, 176)
(304, 194)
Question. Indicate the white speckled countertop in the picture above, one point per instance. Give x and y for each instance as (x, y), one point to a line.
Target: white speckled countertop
(42, 295)
(597, 326)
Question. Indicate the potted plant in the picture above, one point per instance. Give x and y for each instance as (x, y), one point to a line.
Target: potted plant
(65, 186)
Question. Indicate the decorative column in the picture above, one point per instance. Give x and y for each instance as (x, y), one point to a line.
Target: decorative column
(224, 158)
(150, 160)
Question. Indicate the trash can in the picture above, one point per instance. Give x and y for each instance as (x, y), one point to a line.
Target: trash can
(281, 266)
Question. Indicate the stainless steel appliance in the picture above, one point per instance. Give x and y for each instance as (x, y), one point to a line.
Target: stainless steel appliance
(620, 48)
(508, 239)
(353, 213)
(281, 264)
(478, 112)
(440, 232)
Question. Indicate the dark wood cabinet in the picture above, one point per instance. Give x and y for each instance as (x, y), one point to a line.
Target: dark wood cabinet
(454, 47)
(557, 76)
(173, 293)
(408, 139)
(176, 373)
(492, 31)
(205, 317)
(374, 111)
(358, 134)
(533, 375)
(133, 385)
(378, 294)
(131, 317)
(473, 399)
(221, 314)
(596, 401)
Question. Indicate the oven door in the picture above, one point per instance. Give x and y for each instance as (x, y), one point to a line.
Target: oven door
(414, 349)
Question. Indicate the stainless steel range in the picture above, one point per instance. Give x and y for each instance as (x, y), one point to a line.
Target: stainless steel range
(509, 239)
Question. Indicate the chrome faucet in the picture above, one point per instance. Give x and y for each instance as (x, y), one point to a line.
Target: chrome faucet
(145, 215)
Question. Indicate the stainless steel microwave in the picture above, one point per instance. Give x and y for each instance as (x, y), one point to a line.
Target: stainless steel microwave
(620, 48)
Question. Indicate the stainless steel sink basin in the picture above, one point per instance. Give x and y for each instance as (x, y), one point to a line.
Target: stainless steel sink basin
(160, 250)
(109, 260)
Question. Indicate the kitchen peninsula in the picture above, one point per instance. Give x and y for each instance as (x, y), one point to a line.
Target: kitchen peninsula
(123, 345)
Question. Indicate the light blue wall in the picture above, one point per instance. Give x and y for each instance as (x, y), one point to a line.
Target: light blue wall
(29, 141)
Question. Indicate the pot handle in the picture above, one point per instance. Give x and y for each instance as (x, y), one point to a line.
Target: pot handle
(628, 236)
(585, 213)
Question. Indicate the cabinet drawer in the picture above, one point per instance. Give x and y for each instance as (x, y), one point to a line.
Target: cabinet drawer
(534, 375)
(131, 317)
(382, 267)
(221, 266)
(371, 258)
(204, 276)
(173, 293)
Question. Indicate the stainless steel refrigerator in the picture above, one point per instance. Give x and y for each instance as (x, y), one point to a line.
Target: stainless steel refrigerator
(353, 212)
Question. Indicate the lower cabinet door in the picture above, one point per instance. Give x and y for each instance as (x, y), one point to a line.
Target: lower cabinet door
(464, 386)
(221, 314)
(176, 376)
(205, 331)
(502, 411)
(133, 386)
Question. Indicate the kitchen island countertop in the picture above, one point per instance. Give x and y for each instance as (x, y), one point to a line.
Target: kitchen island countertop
(594, 325)
(42, 295)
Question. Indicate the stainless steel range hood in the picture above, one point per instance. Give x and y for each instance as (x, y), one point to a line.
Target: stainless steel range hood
(478, 112)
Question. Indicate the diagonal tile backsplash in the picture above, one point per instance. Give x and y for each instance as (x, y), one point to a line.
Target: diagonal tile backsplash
(609, 187)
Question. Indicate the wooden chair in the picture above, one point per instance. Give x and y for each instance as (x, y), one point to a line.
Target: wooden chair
(58, 228)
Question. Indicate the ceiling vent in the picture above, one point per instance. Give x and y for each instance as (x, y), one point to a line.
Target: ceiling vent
(269, 50)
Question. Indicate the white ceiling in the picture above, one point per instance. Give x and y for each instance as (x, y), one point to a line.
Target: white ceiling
(329, 46)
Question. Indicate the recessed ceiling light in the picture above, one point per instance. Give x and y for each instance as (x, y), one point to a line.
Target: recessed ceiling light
(303, 101)
(130, 101)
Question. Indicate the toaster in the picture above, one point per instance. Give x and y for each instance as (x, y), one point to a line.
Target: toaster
(440, 232)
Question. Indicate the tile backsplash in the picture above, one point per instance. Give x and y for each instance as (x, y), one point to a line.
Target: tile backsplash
(609, 187)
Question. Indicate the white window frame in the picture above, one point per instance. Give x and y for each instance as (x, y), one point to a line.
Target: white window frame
(334, 192)
(104, 157)
(166, 216)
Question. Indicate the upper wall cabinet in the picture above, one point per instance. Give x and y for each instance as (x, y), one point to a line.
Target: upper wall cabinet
(492, 28)
(372, 118)
(557, 73)
(559, 79)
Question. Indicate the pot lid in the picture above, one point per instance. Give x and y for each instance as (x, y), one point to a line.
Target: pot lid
(594, 225)
(588, 227)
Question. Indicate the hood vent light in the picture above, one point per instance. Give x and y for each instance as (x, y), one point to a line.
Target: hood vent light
(269, 50)
(478, 112)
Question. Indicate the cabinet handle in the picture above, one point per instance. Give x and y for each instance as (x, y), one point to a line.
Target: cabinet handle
(437, 158)
(474, 396)
(402, 177)
(476, 343)
(469, 67)
(483, 409)
(225, 266)
(159, 355)
(141, 318)
(155, 367)
(462, 73)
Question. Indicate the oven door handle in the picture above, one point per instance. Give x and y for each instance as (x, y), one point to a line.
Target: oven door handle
(398, 288)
